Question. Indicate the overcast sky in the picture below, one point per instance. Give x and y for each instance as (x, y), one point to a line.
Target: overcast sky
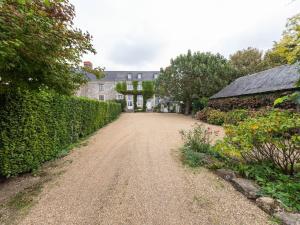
(146, 34)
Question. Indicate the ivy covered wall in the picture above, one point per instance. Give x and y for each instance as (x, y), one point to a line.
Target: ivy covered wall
(147, 91)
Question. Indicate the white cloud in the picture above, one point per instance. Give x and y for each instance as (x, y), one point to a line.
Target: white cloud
(143, 34)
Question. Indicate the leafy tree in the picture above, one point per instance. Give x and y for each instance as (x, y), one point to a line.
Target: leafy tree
(248, 61)
(288, 48)
(39, 46)
(194, 75)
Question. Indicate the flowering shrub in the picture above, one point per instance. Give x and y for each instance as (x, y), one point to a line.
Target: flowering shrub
(274, 137)
(197, 150)
(198, 138)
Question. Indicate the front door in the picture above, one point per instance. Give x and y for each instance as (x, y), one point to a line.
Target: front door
(130, 102)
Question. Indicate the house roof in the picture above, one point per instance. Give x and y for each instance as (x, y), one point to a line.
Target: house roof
(122, 75)
(276, 79)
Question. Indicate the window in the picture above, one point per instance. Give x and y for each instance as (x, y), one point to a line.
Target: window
(129, 101)
(101, 87)
(155, 76)
(139, 76)
(139, 101)
(129, 87)
(129, 76)
(101, 97)
(119, 96)
(139, 86)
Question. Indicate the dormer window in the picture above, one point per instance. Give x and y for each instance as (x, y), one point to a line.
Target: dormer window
(155, 76)
(139, 76)
(129, 76)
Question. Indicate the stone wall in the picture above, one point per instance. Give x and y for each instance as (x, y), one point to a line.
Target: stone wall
(92, 90)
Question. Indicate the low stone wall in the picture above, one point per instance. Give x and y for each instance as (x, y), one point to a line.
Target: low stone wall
(252, 191)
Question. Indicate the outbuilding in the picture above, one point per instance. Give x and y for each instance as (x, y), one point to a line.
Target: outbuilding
(259, 89)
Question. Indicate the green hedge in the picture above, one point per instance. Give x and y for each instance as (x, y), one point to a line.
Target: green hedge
(37, 127)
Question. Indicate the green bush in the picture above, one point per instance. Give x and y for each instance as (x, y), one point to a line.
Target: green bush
(203, 114)
(274, 137)
(199, 104)
(274, 183)
(37, 127)
(123, 104)
(216, 117)
(212, 116)
(236, 116)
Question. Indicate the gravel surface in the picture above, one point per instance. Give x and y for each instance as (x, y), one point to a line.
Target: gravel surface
(130, 173)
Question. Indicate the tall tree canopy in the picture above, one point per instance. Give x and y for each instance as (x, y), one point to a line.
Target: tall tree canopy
(288, 48)
(39, 46)
(194, 75)
(248, 61)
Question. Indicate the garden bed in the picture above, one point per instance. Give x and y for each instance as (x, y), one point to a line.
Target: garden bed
(260, 156)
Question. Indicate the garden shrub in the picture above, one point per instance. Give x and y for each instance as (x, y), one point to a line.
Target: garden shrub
(199, 104)
(236, 116)
(251, 102)
(203, 114)
(39, 126)
(274, 137)
(197, 139)
(197, 150)
(211, 115)
(216, 117)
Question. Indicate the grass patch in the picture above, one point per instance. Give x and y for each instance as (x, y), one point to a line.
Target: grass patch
(25, 199)
(191, 158)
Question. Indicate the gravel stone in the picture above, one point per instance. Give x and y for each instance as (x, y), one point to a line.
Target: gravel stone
(130, 173)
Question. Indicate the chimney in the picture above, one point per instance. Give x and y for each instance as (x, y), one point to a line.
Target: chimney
(88, 64)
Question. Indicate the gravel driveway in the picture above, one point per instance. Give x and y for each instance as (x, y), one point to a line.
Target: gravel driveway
(130, 173)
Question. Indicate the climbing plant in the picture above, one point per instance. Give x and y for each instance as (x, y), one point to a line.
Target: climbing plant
(147, 91)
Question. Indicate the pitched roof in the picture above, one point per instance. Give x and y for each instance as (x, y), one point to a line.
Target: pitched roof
(276, 79)
(122, 75)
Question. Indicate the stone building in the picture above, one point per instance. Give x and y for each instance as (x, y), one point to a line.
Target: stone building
(259, 89)
(105, 89)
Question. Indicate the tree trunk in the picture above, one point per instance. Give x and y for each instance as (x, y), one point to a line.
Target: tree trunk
(187, 108)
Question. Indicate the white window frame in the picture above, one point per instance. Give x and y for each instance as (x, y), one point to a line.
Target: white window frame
(139, 76)
(139, 100)
(129, 102)
(129, 76)
(119, 96)
(155, 76)
(100, 97)
(101, 87)
(140, 86)
(129, 87)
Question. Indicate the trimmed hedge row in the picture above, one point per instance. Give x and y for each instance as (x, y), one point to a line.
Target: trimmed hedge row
(37, 127)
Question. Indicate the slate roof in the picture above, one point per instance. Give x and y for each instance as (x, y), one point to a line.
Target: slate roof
(276, 79)
(122, 75)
